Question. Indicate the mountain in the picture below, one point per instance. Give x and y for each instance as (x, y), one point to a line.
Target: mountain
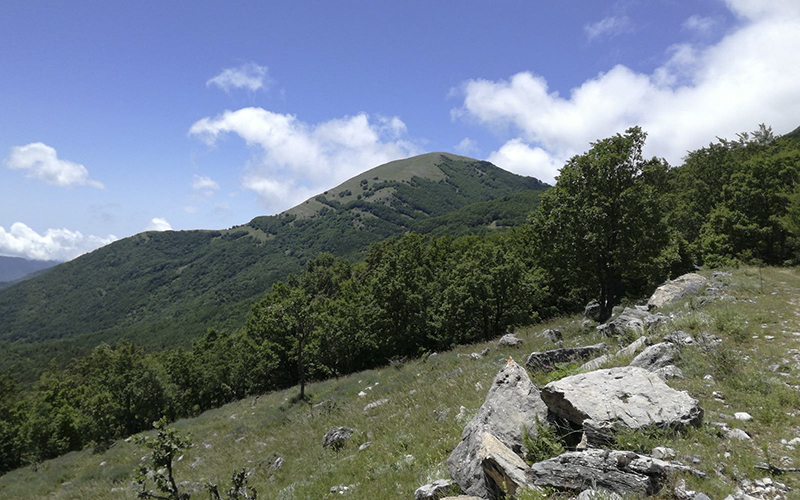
(16, 268)
(166, 288)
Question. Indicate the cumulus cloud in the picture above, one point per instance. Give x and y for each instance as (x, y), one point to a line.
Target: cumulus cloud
(158, 224)
(296, 160)
(750, 76)
(516, 156)
(248, 76)
(55, 244)
(41, 161)
(608, 27)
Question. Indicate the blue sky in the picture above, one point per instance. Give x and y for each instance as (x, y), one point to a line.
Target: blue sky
(118, 117)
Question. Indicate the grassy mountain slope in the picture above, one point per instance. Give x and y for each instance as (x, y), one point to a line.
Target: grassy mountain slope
(430, 401)
(163, 289)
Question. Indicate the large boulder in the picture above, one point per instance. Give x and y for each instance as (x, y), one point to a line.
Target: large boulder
(622, 472)
(628, 397)
(511, 403)
(546, 361)
(672, 291)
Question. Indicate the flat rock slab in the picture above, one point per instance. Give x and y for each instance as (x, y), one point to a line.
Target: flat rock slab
(504, 469)
(626, 397)
(547, 360)
(672, 291)
(622, 472)
(511, 403)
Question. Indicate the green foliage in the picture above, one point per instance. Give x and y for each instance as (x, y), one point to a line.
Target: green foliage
(643, 440)
(545, 444)
(164, 450)
(240, 489)
(732, 199)
(600, 230)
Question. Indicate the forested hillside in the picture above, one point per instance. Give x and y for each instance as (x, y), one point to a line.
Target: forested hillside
(616, 225)
(168, 288)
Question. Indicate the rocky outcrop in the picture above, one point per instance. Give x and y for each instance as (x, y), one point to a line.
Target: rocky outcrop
(628, 350)
(636, 320)
(546, 361)
(657, 356)
(628, 397)
(672, 291)
(337, 437)
(622, 472)
(511, 403)
(593, 311)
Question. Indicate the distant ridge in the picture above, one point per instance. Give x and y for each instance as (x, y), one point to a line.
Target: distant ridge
(166, 288)
(15, 268)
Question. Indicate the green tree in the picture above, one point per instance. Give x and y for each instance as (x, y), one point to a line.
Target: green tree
(600, 230)
(164, 448)
(284, 322)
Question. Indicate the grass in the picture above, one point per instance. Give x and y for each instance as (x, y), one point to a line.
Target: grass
(414, 432)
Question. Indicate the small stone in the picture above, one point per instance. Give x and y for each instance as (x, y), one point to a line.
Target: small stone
(663, 453)
(434, 490)
(362, 394)
(509, 340)
(475, 355)
(552, 334)
(794, 441)
(375, 404)
(365, 446)
(736, 434)
(485, 351)
(742, 415)
(708, 378)
(337, 437)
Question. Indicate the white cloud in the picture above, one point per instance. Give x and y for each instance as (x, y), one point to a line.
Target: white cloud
(205, 186)
(516, 156)
(700, 24)
(296, 159)
(608, 27)
(749, 77)
(41, 161)
(249, 76)
(55, 244)
(466, 147)
(158, 224)
(202, 183)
